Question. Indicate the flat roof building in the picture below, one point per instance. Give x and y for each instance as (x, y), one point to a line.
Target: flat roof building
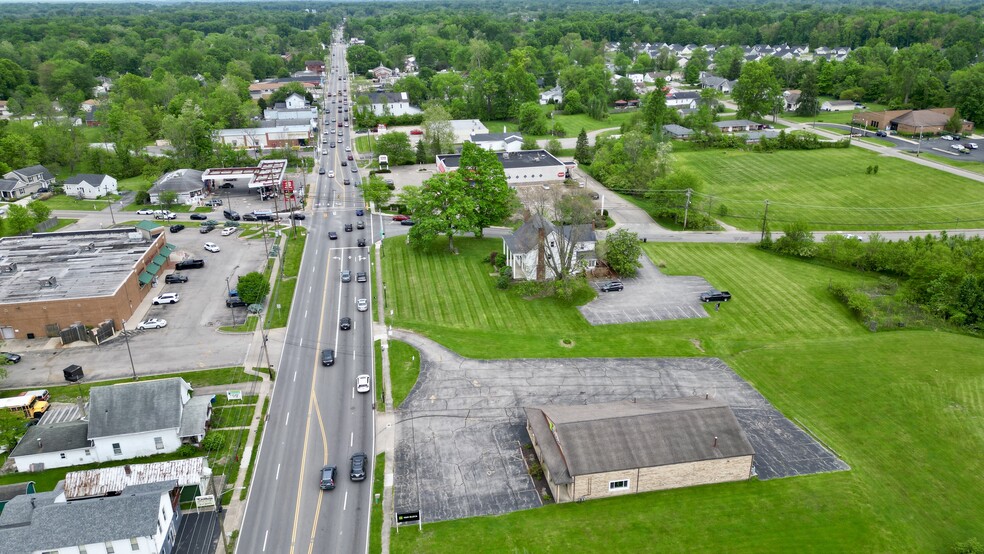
(521, 168)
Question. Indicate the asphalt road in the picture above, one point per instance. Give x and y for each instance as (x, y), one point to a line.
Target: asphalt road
(316, 418)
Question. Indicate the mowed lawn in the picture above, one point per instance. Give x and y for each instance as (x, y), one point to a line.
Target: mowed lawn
(903, 409)
(830, 189)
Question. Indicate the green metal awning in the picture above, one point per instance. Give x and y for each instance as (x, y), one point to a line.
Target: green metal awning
(145, 277)
(167, 249)
(153, 268)
(160, 259)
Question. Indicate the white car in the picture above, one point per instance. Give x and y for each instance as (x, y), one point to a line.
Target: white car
(348, 148)
(331, 174)
(362, 304)
(226, 232)
(946, 137)
(972, 145)
(167, 298)
(152, 323)
(362, 383)
(339, 140)
(145, 212)
(212, 247)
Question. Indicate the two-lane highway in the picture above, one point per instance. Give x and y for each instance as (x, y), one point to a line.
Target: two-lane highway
(316, 417)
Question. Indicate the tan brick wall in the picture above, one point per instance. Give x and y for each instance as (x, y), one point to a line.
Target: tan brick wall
(664, 477)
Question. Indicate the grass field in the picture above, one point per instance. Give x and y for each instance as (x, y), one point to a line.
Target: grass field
(572, 124)
(62, 202)
(376, 517)
(831, 117)
(404, 369)
(283, 292)
(830, 189)
(976, 167)
(903, 408)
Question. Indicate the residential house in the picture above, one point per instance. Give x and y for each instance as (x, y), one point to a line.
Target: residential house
(90, 186)
(52, 445)
(683, 100)
(838, 106)
(9, 492)
(791, 99)
(143, 519)
(720, 84)
(4, 110)
(552, 96)
(737, 125)
(678, 131)
(25, 181)
(295, 107)
(264, 89)
(610, 449)
(89, 105)
(102, 89)
(186, 183)
(499, 142)
(534, 251)
(315, 66)
(391, 103)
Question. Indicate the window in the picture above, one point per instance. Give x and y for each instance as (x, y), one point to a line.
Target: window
(134, 545)
(116, 449)
(618, 485)
(159, 443)
(62, 455)
(109, 548)
(87, 452)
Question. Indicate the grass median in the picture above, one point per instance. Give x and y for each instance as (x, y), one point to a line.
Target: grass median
(278, 310)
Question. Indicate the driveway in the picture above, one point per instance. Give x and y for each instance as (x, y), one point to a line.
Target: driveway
(649, 296)
(460, 431)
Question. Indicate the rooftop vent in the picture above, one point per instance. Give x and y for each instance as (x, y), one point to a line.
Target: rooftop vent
(47, 282)
(8, 267)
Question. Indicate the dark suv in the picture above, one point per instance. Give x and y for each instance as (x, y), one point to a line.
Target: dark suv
(175, 278)
(327, 478)
(358, 472)
(715, 295)
(190, 264)
(345, 323)
(611, 286)
(235, 302)
(327, 357)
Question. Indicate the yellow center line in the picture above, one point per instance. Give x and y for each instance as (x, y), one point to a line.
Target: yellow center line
(312, 406)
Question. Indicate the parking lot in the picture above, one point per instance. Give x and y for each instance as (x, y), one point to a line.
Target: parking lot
(460, 431)
(191, 340)
(649, 296)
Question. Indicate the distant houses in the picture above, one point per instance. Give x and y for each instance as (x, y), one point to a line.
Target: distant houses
(25, 181)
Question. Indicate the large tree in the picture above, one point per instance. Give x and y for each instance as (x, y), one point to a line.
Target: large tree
(397, 147)
(253, 287)
(621, 252)
(654, 112)
(582, 150)
(758, 91)
(438, 129)
(698, 62)
(376, 191)
(532, 120)
(572, 216)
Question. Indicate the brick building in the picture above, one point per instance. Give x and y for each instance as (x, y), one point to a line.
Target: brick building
(49, 281)
(910, 122)
(601, 450)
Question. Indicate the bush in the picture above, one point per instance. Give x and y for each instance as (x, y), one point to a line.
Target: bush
(722, 211)
(505, 277)
(969, 546)
(188, 451)
(213, 442)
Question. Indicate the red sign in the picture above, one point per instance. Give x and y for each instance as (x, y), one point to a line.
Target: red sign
(560, 174)
(288, 187)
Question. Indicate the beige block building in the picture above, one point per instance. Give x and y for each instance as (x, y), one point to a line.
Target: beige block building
(601, 450)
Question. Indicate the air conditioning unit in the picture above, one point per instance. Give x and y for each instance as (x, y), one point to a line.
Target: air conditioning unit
(8, 267)
(47, 282)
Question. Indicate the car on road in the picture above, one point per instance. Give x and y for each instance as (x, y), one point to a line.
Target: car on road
(229, 230)
(332, 235)
(362, 305)
(190, 264)
(328, 478)
(348, 227)
(199, 217)
(408, 222)
(349, 158)
(332, 145)
(152, 323)
(176, 228)
(204, 229)
(345, 323)
(400, 217)
(167, 298)
(358, 471)
(11, 357)
(594, 195)
(172, 278)
(344, 163)
(355, 168)
(327, 357)
(881, 134)
(321, 171)
(348, 148)
(145, 212)
(360, 224)
(611, 286)
(360, 277)
(165, 216)
(298, 215)
(331, 174)
(362, 242)
(360, 212)
(346, 276)
(416, 131)
(212, 247)
(715, 295)
(346, 182)
(362, 383)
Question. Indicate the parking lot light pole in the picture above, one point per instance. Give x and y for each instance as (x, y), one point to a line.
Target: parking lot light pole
(126, 338)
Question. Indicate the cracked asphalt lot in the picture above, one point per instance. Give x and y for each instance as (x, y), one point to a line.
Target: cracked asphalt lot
(460, 431)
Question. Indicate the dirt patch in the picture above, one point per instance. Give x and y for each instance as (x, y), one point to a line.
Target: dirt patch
(567, 343)
(697, 345)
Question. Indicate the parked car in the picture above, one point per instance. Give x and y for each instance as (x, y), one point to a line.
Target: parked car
(881, 134)
(226, 186)
(199, 217)
(362, 383)
(345, 323)
(332, 235)
(360, 277)
(416, 131)
(212, 247)
(152, 323)
(400, 217)
(229, 230)
(362, 305)
(611, 286)
(328, 478)
(972, 145)
(298, 215)
(235, 302)
(206, 229)
(715, 295)
(176, 228)
(11, 357)
(167, 298)
(172, 278)
(947, 137)
(327, 357)
(190, 264)
(249, 217)
(145, 211)
(213, 202)
(358, 471)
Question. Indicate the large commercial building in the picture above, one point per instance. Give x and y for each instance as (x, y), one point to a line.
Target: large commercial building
(50, 281)
(522, 168)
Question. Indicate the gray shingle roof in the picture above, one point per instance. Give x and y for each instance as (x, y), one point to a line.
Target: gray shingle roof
(624, 435)
(56, 437)
(180, 180)
(33, 170)
(194, 416)
(494, 136)
(527, 236)
(50, 525)
(91, 178)
(9, 184)
(128, 408)
(677, 130)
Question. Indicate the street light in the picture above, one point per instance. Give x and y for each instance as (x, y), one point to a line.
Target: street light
(128, 352)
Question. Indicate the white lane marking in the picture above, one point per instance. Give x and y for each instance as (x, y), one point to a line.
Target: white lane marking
(278, 473)
(286, 421)
(345, 502)
(309, 289)
(295, 375)
(305, 314)
(351, 439)
(265, 539)
(353, 396)
(300, 343)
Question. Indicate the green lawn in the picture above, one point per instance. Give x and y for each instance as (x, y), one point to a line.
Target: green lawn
(62, 202)
(831, 117)
(233, 416)
(572, 124)
(202, 378)
(376, 516)
(976, 167)
(830, 189)
(134, 184)
(903, 409)
(283, 292)
(404, 369)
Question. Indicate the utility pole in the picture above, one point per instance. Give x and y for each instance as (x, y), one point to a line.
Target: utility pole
(765, 221)
(126, 338)
(686, 210)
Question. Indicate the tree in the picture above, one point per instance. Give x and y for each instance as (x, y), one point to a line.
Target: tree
(190, 136)
(555, 147)
(966, 92)
(654, 112)
(532, 119)
(376, 191)
(19, 219)
(362, 58)
(415, 88)
(808, 102)
(529, 143)
(572, 102)
(421, 151)
(167, 198)
(442, 205)
(582, 152)
(955, 123)
(698, 62)
(253, 287)
(625, 89)
(757, 91)
(39, 210)
(727, 62)
(438, 129)
(13, 425)
(621, 252)
(487, 179)
(397, 147)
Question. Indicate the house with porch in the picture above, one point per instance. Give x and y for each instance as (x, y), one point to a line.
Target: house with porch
(90, 186)
(25, 181)
(538, 249)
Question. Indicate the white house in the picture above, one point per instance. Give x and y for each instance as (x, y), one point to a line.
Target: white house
(90, 186)
(47, 446)
(838, 106)
(27, 180)
(498, 142)
(141, 519)
(522, 249)
(683, 100)
(391, 103)
(295, 107)
(186, 183)
(524, 167)
(718, 83)
(554, 95)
